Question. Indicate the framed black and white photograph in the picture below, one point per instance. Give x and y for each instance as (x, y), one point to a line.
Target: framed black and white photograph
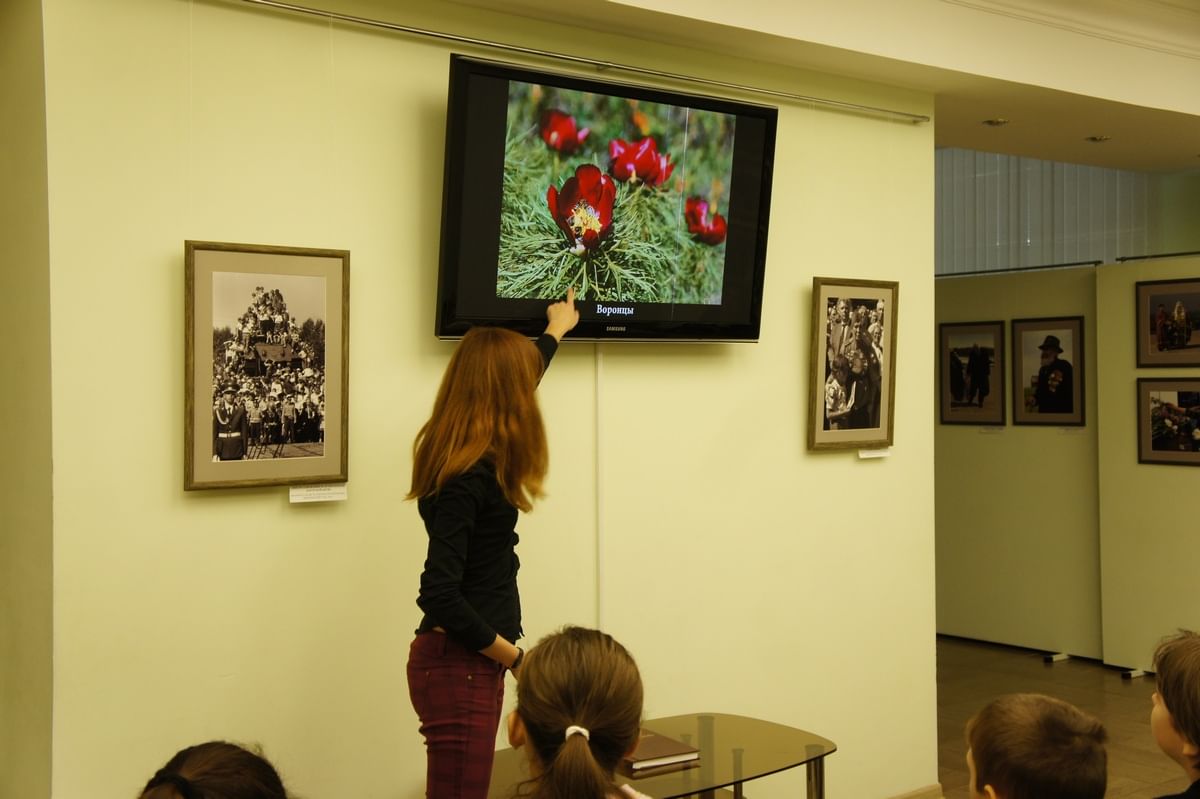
(266, 363)
(1169, 421)
(1168, 322)
(1047, 374)
(853, 365)
(971, 371)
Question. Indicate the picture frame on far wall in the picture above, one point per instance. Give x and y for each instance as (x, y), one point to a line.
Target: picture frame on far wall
(971, 370)
(1048, 371)
(1169, 420)
(1168, 322)
(266, 365)
(852, 380)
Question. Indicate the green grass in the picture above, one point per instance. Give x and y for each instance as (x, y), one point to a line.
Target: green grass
(648, 255)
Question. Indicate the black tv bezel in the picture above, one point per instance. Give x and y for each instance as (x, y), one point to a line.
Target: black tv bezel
(451, 322)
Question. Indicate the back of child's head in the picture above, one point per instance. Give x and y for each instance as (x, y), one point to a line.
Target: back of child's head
(579, 698)
(1030, 746)
(215, 770)
(1177, 674)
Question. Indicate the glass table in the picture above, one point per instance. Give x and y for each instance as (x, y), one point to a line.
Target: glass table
(733, 751)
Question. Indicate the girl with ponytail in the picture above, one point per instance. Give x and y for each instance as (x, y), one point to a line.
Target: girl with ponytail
(579, 711)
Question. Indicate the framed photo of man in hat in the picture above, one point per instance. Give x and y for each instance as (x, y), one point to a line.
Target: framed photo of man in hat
(1048, 371)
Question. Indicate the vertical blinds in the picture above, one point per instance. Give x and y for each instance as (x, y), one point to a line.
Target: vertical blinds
(997, 212)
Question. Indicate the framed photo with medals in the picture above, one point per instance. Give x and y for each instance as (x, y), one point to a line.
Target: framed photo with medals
(1048, 371)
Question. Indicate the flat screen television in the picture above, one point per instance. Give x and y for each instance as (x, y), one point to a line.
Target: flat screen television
(652, 204)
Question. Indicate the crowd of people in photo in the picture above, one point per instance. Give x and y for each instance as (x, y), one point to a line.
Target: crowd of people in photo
(853, 363)
(266, 321)
(268, 385)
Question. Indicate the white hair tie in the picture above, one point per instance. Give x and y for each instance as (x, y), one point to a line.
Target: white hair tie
(573, 729)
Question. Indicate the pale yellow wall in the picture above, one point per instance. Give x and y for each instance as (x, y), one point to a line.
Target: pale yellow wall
(1149, 556)
(1100, 49)
(1175, 213)
(772, 572)
(1017, 506)
(795, 587)
(25, 510)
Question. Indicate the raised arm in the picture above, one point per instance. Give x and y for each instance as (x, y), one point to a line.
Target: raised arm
(562, 316)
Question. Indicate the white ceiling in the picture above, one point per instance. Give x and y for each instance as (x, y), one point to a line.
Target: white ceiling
(1043, 123)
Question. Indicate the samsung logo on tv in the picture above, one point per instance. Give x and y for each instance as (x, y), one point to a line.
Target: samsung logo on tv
(615, 328)
(614, 310)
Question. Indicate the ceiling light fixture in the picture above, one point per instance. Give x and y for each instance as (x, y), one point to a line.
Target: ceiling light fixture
(1098, 139)
(997, 122)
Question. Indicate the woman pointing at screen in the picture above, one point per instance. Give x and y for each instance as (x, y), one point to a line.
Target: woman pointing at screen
(479, 460)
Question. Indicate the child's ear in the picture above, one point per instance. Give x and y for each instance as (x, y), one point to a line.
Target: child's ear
(989, 792)
(516, 730)
(1190, 750)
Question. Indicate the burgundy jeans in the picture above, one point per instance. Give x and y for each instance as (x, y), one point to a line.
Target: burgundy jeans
(458, 694)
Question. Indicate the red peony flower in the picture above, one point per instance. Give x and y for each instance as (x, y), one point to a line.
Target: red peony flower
(695, 213)
(583, 209)
(638, 161)
(559, 131)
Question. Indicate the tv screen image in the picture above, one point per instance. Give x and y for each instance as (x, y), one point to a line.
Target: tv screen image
(653, 205)
(621, 198)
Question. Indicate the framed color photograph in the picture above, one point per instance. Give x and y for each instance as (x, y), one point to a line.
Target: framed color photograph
(971, 373)
(853, 376)
(1169, 420)
(1047, 374)
(266, 362)
(1168, 322)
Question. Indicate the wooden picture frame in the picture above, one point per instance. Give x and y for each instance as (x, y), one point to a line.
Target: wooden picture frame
(971, 371)
(852, 380)
(1168, 322)
(1048, 392)
(266, 365)
(1169, 420)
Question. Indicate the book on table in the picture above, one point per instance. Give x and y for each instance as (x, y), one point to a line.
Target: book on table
(656, 751)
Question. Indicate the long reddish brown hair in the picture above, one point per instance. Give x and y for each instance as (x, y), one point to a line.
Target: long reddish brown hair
(486, 410)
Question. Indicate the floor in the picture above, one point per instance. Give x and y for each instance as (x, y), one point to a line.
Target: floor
(970, 674)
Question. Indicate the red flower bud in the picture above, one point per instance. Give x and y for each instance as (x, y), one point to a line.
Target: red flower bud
(695, 213)
(638, 161)
(559, 132)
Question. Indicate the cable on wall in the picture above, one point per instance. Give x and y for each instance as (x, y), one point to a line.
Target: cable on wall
(601, 65)
(601, 619)
(1125, 258)
(1010, 270)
